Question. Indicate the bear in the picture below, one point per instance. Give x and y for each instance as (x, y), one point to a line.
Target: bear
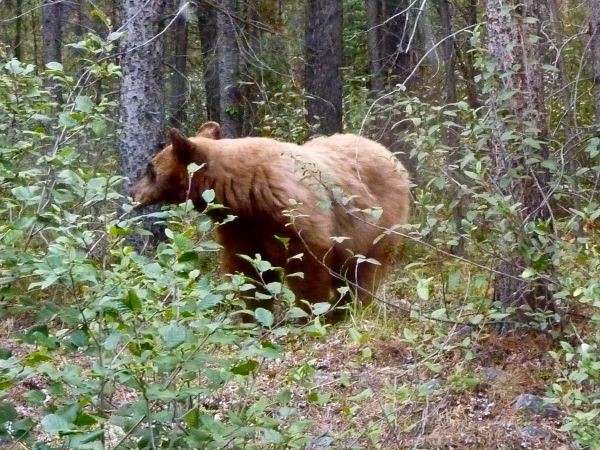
(337, 200)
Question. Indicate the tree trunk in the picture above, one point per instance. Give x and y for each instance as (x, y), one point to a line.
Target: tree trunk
(595, 48)
(519, 66)
(374, 45)
(252, 67)
(397, 56)
(230, 107)
(451, 138)
(52, 39)
(179, 82)
(207, 24)
(18, 28)
(142, 103)
(466, 61)
(389, 64)
(323, 77)
(34, 36)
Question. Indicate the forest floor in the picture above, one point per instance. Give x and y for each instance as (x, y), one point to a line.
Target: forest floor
(376, 390)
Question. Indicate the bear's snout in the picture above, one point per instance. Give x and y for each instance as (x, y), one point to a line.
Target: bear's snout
(137, 193)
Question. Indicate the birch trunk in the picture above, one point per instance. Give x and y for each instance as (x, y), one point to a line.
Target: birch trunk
(142, 102)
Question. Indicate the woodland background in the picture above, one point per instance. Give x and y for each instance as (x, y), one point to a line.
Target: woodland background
(487, 334)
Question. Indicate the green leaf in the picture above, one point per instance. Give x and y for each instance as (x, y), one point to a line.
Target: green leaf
(528, 273)
(208, 196)
(174, 335)
(264, 317)
(423, 288)
(245, 368)
(84, 103)
(284, 397)
(439, 314)
(272, 436)
(296, 313)
(55, 424)
(99, 127)
(210, 301)
(54, 66)
(133, 301)
(35, 397)
(8, 412)
(320, 398)
(534, 143)
(321, 308)
(68, 120)
(507, 135)
(112, 341)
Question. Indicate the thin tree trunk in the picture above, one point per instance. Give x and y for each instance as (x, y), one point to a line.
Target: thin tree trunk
(569, 124)
(52, 30)
(466, 62)
(451, 138)
(323, 76)
(374, 45)
(34, 28)
(230, 107)
(207, 24)
(18, 28)
(52, 39)
(179, 81)
(396, 33)
(142, 103)
(519, 64)
(594, 6)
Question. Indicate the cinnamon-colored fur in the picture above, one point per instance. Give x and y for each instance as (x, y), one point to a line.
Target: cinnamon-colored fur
(333, 197)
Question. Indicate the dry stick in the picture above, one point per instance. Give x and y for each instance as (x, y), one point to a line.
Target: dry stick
(389, 19)
(160, 33)
(237, 17)
(414, 30)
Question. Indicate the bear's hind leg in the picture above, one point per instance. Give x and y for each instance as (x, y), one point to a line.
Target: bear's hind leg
(239, 239)
(316, 285)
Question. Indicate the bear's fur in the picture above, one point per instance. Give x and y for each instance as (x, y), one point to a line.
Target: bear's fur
(333, 197)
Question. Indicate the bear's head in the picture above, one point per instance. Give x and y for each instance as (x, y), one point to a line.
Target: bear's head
(166, 177)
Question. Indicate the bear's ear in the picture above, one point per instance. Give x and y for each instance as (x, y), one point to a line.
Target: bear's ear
(210, 130)
(182, 147)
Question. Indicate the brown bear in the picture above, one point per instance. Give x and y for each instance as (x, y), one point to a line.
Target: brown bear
(338, 200)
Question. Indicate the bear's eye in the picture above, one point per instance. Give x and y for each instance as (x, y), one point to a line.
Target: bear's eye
(150, 173)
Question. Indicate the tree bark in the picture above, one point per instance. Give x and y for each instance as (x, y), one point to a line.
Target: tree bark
(323, 76)
(465, 60)
(389, 63)
(518, 60)
(594, 6)
(18, 28)
(179, 80)
(396, 54)
(52, 30)
(230, 106)
(52, 39)
(451, 97)
(207, 24)
(374, 45)
(142, 103)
